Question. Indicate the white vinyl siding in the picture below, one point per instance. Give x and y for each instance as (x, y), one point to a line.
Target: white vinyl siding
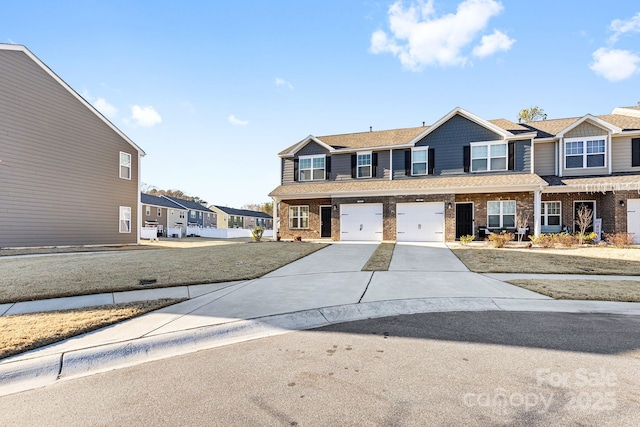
(312, 168)
(501, 214)
(491, 156)
(298, 217)
(125, 165)
(125, 219)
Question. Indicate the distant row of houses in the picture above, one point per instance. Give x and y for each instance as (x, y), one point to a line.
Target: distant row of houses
(68, 176)
(167, 213)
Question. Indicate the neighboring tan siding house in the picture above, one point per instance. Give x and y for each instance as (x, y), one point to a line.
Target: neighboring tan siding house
(464, 175)
(241, 218)
(68, 176)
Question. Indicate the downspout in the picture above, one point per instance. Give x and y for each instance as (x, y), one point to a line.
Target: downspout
(391, 165)
(608, 155)
(139, 209)
(533, 157)
(560, 156)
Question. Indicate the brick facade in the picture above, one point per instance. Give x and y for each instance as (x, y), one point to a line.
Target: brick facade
(313, 232)
(524, 203)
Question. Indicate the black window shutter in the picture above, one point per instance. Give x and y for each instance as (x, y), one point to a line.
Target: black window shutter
(407, 162)
(327, 168)
(467, 157)
(512, 156)
(354, 163)
(432, 161)
(295, 169)
(635, 152)
(374, 165)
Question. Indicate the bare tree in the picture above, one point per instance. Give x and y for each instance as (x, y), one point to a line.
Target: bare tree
(584, 218)
(522, 221)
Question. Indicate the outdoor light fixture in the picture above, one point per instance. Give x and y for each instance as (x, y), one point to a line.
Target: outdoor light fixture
(621, 202)
(449, 205)
(419, 200)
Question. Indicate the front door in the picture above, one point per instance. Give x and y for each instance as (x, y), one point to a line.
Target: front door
(590, 207)
(325, 221)
(464, 219)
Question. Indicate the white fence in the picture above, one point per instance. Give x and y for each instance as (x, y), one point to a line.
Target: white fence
(223, 233)
(149, 233)
(174, 231)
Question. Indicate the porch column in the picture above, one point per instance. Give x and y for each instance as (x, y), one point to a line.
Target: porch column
(276, 223)
(537, 210)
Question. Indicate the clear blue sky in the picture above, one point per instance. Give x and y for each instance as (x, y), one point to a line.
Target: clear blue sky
(212, 91)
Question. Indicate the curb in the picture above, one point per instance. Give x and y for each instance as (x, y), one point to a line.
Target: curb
(40, 371)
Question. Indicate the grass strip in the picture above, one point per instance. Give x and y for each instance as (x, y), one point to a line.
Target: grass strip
(381, 258)
(594, 290)
(24, 332)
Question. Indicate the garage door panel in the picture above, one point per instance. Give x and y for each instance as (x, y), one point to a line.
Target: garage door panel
(633, 219)
(420, 222)
(362, 222)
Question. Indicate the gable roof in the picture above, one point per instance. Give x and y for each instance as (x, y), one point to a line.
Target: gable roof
(188, 204)
(148, 199)
(243, 212)
(593, 120)
(50, 72)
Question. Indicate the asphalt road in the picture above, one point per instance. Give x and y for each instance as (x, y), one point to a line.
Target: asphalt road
(479, 368)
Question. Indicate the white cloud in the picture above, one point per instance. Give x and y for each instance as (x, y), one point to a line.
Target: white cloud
(236, 121)
(420, 38)
(145, 116)
(105, 108)
(620, 27)
(282, 82)
(498, 41)
(615, 64)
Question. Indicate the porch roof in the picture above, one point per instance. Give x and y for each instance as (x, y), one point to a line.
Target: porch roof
(436, 185)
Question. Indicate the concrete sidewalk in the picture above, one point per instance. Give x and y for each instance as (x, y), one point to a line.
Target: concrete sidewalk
(323, 288)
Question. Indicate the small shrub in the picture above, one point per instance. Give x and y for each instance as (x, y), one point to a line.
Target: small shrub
(466, 239)
(588, 238)
(500, 240)
(565, 239)
(619, 240)
(543, 240)
(257, 232)
(297, 238)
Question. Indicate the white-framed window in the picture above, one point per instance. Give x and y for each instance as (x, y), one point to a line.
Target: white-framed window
(125, 165)
(159, 212)
(181, 214)
(501, 214)
(364, 165)
(208, 215)
(584, 152)
(125, 219)
(419, 161)
(312, 168)
(488, 156)
(147, 210)
(192, 214)
(298, 216)
(551, 214)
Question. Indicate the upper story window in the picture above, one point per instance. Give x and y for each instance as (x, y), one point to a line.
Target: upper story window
(192, 214)
(364, 165)
(159, 212)
(125, 165)
(147, 210)
(312, 168)
(488, 156)
(584, 153)
(419, 161)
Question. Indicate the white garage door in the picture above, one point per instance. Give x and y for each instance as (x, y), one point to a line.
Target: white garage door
(633, 218)
(361, 222)
(420, 222)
